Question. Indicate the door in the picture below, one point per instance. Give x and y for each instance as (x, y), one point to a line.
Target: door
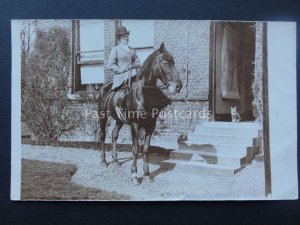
(233, 70)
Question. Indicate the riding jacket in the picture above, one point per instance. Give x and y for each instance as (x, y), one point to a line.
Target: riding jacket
(121, 59)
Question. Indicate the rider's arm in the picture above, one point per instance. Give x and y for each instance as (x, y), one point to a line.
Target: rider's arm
(113, 61)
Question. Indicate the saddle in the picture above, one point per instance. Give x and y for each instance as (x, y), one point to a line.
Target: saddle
(120, 107)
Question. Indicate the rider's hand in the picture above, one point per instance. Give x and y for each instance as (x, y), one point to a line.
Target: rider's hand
(117, 70)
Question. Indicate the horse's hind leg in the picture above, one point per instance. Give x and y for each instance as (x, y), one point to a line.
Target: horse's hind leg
(115, 135)
(102, 134)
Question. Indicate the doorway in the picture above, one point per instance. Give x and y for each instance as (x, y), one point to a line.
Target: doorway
(233, 67)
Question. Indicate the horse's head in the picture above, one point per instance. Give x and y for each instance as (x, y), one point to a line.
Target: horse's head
(165, 70)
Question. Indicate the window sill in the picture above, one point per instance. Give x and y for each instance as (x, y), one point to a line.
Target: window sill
(79, 96)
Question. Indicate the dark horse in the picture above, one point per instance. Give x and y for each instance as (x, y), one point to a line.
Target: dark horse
(159, 65)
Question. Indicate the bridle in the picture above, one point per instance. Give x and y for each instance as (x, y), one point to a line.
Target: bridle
(162, 74)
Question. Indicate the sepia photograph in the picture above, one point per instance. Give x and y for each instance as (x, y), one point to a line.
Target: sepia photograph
(153, 110)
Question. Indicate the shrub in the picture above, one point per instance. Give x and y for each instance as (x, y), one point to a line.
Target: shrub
(47, 110)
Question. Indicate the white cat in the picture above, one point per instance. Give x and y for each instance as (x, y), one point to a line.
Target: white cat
(235, 116)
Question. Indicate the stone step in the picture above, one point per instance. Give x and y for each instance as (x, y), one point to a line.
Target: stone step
(211, 157)
(225, 132)
(164, 144)
(167, 140)
(241, 125)
(200, 167)
(217, 148)
(220, 139)
(162, 135)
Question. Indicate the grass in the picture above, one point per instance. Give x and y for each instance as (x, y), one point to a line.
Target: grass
(52, 181)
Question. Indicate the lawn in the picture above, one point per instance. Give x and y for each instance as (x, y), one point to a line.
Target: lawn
(52, 181)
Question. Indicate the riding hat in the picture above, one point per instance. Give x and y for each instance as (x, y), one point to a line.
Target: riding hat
(121, 31)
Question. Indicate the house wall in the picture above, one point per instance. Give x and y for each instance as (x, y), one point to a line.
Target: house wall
(188, 42)
(109, 40)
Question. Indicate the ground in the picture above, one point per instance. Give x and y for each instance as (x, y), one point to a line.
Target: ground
(87, 176)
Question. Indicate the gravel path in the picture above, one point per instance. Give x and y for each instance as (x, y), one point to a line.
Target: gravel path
(167, 184)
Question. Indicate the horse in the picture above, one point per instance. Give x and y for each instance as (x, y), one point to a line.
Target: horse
(159, 65)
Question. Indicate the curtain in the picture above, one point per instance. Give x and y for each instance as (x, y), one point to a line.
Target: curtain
(230, 55)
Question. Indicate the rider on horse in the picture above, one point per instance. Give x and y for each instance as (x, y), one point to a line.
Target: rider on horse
(144, 95)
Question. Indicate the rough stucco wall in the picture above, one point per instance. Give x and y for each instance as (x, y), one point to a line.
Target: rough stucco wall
(185, 115)
(188, 42)
(174, 36)
(198, 34)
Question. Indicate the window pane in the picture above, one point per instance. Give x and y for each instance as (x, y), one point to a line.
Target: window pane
(141, 32)
(92, 74)
(91, 40)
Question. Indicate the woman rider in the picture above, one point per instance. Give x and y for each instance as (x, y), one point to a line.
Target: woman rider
(122, 59)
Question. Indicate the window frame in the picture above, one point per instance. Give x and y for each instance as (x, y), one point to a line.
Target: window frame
(77, 86)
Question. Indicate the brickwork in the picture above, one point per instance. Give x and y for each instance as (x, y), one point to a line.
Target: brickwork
(186, 115)
(173, 34)
(198, 34)
(188, 42)
(109, 40)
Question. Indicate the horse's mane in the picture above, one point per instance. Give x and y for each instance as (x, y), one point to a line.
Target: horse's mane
(146, 67)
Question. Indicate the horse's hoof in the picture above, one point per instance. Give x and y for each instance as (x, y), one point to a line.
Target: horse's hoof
(103, 164)
(116, 163)
(136, 180)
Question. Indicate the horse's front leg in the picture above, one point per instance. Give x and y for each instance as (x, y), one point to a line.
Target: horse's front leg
(149, 132)
(115, 135)
(102, 135)
(135, 152)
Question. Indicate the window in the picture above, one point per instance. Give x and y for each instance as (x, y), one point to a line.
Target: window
(88, 54)
(141, 36)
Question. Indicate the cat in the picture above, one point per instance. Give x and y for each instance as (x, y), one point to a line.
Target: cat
(235, 116)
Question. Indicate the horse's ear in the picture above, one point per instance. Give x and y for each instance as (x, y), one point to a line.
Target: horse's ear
(162, 48)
